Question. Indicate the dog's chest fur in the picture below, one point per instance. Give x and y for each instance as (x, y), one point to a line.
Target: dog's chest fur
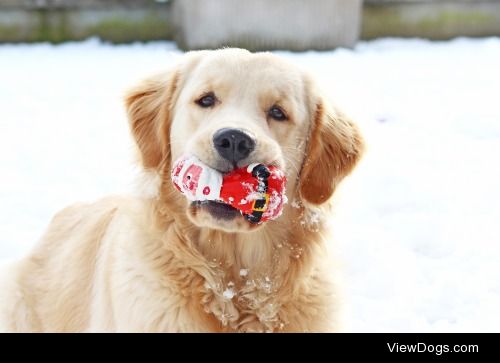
(245, 283)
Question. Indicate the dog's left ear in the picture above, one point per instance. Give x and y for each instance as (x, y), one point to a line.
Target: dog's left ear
(148, 106)
(335, 146)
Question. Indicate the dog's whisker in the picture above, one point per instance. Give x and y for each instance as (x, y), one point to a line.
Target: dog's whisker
(291, 164)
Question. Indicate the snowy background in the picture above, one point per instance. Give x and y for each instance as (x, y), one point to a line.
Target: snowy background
(416, 225)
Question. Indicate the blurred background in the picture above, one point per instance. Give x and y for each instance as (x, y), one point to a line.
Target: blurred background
(255, 24)
(416, 224)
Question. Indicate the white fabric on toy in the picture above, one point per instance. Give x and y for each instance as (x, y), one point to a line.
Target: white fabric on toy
(197, 181)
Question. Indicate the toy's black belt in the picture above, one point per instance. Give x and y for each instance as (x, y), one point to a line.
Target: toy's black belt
(260, 204)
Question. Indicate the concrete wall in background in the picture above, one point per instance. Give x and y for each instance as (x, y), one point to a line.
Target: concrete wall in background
(62, 20)
(264, 24)
(433, 19)
(317, 21)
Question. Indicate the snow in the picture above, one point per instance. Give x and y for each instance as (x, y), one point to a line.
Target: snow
(415, 227)
(228, 293)
(243, 272)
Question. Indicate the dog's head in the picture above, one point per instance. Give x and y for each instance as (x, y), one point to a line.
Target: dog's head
(231, 108)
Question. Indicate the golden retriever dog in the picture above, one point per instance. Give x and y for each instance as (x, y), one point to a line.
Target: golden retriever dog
(159, 263)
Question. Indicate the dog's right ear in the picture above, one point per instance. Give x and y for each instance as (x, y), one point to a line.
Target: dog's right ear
(334, 148)
(149, 107)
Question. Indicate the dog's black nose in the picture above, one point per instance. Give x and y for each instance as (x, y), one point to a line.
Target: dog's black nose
(233, 145)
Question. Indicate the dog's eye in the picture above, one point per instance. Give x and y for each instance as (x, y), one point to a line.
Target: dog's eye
(277, 113)
(207, 100)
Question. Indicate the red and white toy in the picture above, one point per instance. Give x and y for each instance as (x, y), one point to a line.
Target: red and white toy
(257, 191)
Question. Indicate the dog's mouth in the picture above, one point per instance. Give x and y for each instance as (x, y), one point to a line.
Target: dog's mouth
(218, 210)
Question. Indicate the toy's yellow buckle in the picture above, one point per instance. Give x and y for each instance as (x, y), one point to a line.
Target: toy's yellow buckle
(261, 207)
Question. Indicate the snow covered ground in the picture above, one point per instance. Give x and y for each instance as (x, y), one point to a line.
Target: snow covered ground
(417, 225)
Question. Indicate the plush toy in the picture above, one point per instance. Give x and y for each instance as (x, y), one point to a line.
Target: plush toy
(257, 191)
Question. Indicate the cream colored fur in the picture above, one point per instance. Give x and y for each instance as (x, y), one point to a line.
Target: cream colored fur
(156, 264)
